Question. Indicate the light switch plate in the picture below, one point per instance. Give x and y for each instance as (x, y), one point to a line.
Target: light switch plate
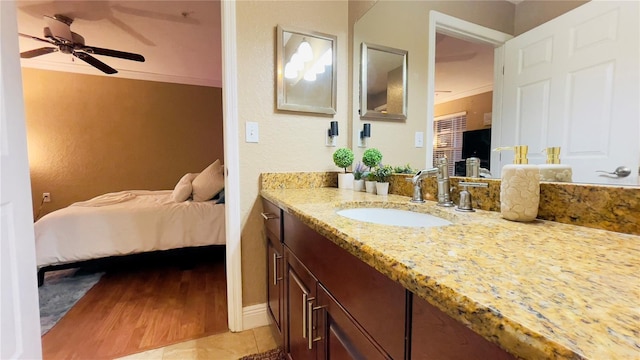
(251, 135)
(419, 139)
(487, 118)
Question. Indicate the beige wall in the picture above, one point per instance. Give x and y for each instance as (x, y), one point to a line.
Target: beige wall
(404, 25)
(531, 13)
(475, 106)
(288, 141)
(88, 135)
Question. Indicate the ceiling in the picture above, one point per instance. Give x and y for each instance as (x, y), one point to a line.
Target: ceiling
(462, 68)
(180, 40)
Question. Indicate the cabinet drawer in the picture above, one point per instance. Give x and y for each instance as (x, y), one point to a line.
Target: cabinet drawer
(376, 302)
(272, 216)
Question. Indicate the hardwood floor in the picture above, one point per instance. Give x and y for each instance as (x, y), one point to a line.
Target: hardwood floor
(144, 304)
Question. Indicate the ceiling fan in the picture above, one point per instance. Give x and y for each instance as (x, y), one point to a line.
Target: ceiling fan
(58, 33)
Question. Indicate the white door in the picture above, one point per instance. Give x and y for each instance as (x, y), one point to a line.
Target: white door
(19, 314)
(573, 82)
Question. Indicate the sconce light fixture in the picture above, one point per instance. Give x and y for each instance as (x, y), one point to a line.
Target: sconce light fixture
(364, 135)
(332, 134)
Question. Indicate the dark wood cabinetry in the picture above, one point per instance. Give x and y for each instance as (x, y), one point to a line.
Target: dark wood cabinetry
(275, 267)
(435, 335)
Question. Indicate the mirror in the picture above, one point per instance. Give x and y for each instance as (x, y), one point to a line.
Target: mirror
(306, 71)
(408, 26)
(383, 82)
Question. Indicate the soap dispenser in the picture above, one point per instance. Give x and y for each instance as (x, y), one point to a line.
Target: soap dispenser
(553, 170)
(520, 187)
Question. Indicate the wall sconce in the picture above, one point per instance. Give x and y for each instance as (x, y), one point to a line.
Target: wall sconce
(364, 135)
(332, 134)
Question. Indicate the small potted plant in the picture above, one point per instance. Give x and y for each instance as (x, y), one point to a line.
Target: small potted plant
(383, 174)
(343, 158)
(359, 174)
(371, 158)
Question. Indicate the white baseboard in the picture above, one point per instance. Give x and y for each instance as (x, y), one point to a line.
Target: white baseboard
(255, 316)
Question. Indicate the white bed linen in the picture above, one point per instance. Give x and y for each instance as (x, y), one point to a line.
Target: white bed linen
(124, 223)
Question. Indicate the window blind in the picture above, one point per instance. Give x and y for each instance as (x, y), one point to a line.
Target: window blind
(447, 139)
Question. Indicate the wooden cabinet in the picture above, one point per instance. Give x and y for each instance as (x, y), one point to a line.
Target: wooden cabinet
(272, 216)
(435, 335)
(301, 294)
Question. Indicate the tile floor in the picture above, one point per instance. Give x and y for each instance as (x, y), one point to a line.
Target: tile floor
(225, 346)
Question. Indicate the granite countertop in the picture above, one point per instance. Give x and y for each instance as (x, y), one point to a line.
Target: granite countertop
(541, 290)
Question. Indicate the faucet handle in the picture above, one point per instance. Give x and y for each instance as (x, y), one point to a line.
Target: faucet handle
(466, 204)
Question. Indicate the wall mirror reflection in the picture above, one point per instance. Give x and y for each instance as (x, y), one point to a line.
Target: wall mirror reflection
(306, 71)
(383, 82)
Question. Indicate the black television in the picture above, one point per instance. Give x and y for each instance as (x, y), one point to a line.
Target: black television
(477, 143)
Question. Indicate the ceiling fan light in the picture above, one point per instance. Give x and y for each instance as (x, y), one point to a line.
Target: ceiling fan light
(290, 71)
(305, 52)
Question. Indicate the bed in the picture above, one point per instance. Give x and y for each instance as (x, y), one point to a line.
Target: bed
(131, 222)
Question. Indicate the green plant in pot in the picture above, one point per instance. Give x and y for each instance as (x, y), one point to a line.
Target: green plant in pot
(359, 175)
(383, 174)
(343, 158)
(371, 158)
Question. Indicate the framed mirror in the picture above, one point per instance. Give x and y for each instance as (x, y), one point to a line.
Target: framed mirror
(383, 82)
(306, 71)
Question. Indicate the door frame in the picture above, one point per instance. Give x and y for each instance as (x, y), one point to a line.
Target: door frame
(232, 164)
(461, 29)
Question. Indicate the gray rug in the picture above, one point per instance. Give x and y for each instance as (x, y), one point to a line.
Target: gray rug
(61, 290)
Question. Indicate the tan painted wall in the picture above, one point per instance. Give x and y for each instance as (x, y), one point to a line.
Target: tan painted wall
(404, 25)
(88, 135)
(531, 13)
(475, 106)
(288, 141)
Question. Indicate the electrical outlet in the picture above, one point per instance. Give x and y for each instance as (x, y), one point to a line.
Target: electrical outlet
(46, 197)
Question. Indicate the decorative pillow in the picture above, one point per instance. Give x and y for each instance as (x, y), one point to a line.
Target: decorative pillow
(182, 191)
(209, 182)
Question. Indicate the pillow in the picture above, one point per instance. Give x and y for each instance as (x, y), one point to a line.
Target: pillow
(183, 188)
(209, 182)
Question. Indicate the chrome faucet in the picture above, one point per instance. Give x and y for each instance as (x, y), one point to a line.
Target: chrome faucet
(441, 172)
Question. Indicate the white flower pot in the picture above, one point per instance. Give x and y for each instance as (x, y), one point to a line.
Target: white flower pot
(382, 188)
(370, 186)
(358, 185)
(345, 181)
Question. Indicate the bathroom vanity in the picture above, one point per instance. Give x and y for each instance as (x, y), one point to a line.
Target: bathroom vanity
(481, 288)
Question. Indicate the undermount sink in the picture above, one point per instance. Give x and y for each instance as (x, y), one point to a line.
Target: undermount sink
(393, 217)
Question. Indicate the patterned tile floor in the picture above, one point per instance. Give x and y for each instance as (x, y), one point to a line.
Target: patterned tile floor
(225, 346)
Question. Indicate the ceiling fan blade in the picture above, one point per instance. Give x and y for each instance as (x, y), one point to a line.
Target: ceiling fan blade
(94, 62)
(37, 52)
(113, 53)
(59, 29)
(37, 38)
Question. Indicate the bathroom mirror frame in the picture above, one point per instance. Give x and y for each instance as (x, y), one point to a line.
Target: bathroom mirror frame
(292, 98)
(367, 75)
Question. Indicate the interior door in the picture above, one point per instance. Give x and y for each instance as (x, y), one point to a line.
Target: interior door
(20, 329)
(573, 82)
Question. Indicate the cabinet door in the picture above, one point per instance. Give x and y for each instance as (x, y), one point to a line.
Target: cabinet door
(274, 283)
(337, 336)
(436, 335)
(300, 292)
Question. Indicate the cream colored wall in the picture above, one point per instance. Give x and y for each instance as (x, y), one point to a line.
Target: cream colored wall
(531, 13)
(405, 25)
(88, 135)
(288, 141)
(475, 106)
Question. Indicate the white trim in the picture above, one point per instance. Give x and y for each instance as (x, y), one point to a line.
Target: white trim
(254, 316)
(444, 98)
(450, 116)
(232, 164)
(449, 25)
(126, 74)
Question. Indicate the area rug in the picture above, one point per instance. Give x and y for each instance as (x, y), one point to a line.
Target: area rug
(61, 290)
(275, 354)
